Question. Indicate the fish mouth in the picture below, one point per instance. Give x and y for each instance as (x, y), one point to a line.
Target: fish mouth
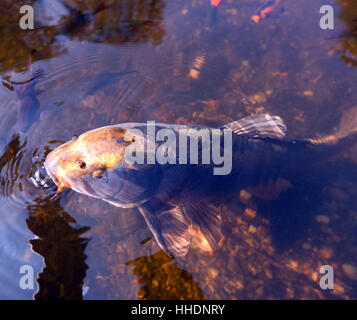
(60, 182)
(60, 187)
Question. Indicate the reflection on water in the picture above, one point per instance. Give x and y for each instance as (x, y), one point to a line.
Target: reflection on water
(62, 247)
(161, 60)
(162, 279)
(97, 21)
(11, 156)
(348, 38)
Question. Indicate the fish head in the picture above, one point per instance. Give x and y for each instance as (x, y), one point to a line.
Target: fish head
(87, 162)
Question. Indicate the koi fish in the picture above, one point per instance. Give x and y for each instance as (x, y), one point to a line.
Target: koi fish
(28, 104)
(178, 199)
(265, 11)
(215, 3)
(214, 11)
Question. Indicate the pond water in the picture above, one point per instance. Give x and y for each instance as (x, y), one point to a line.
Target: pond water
(184, 62)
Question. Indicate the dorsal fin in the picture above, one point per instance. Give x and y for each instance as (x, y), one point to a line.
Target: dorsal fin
(259, 126)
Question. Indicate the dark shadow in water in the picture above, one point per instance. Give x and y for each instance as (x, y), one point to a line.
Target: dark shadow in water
(163, 280)
(12, 155)
(293, 211)
(348, 38)
(62, 247)
(11, 150)
(134, 21)
(59, 241)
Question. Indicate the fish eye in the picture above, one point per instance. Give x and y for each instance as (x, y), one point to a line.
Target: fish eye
(81, 164)
(74, 137)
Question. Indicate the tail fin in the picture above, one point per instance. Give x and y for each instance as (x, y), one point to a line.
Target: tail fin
(22, 87)
(348, 124)
(347, 128)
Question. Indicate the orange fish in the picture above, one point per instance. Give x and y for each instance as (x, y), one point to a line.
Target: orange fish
(215, 3)
(265, 11)
(214, 6)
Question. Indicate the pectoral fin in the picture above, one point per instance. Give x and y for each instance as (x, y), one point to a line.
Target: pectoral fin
(175, 226)
(206, 224)
(169, 227)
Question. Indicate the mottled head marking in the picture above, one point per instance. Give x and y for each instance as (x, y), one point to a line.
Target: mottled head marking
(89, 154)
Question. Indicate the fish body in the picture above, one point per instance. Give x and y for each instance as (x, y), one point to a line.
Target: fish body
(28, 104)
(178, 199)
(265, 11)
